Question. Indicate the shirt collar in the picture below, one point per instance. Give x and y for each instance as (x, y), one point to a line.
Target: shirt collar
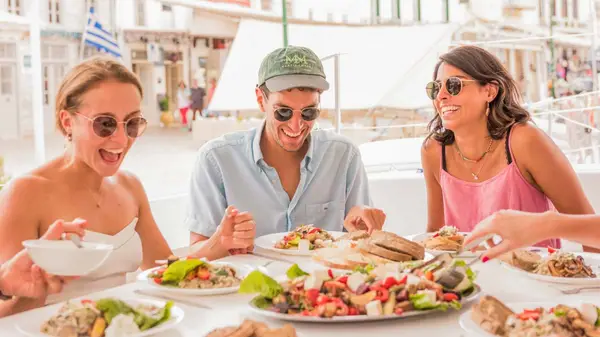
(258, 155)
(256, 151)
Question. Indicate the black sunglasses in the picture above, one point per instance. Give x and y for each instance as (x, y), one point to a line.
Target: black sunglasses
(105, 126)
(454, 86)
(308, 114)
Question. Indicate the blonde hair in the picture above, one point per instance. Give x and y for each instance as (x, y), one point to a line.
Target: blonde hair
(84, 77)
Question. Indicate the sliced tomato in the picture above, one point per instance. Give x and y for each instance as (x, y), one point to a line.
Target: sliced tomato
(158, 280)
(449, 297)
(551, 250)
(343, 279)
(402, 280)
(382, 294)
(88, 302)
(399, 311)
(436, 235)
(314, 230)
(330, 273)
(429, 275)
(323, 299)
(312, 295)
(529, 314)
(203, 274)
(352, 311)
(389, 282)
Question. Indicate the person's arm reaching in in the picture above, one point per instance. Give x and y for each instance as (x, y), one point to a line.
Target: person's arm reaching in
(520, 229)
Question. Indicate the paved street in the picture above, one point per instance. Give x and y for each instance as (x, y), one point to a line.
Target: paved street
(162, 158)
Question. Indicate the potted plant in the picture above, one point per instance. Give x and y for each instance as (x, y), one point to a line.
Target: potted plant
(166, 118)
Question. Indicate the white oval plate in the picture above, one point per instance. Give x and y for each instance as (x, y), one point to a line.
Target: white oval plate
(421, 237)
(361, 318)
(31, 326)
(239, 271)
(591, 259)
(473, 329)
(268, 242)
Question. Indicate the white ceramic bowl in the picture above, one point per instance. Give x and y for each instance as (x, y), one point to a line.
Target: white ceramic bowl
(63, 258)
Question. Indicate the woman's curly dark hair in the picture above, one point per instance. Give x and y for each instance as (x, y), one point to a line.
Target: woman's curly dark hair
(481, 65)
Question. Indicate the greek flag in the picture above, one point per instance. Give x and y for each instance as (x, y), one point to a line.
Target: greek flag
(98, 37)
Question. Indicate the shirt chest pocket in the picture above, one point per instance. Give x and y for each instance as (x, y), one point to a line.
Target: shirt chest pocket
(329, 215)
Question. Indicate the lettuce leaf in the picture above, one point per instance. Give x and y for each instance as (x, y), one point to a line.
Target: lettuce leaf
(468, 271)
(455, 305)
(178, 270)
(112, 308)
(146, 322)
(261, 302)
(257, 282)
(364, 270)
(598, 320)
(423, 301)
(295, 272)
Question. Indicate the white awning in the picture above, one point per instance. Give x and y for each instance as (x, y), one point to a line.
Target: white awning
(385, 66)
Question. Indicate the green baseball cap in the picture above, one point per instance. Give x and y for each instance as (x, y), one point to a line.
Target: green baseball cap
(292, 67)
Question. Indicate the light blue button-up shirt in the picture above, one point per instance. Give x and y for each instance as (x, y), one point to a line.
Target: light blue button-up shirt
(230, 170)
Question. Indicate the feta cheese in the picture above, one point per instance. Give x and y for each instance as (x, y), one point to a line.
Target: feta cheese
(121, 326)
(322, 274)
(374, 308)
(380, 272)
(395, 274)
(304, 245)
(430, 295)
(412, 279)
(589, 313)
(355, 280)
(313, 282)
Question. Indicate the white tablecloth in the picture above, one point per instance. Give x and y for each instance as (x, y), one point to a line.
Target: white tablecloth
(232, 309)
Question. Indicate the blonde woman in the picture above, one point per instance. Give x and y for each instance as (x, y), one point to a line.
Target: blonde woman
(98, 110)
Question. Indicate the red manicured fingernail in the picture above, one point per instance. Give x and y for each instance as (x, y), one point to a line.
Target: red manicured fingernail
(485, 259)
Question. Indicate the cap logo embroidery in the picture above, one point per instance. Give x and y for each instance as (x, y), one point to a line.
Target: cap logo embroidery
(295, 61)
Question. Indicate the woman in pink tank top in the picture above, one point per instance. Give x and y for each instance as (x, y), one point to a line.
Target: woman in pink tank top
(482, 155)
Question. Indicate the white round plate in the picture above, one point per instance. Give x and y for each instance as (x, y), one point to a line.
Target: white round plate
(591, 259)
(473, 329)
(421, 237)
(31, 326)
(268, 242)
(361, 318)
(239, 271)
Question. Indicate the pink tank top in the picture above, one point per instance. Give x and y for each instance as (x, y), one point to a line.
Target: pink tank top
(467, 203)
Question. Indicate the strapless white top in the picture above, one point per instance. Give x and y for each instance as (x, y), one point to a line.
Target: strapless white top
(126, 257)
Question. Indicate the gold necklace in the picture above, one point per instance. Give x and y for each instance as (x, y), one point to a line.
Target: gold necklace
(476, 175)
(474, 160)
(96, 199)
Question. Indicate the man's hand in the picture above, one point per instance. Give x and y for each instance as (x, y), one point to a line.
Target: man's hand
(237, 231)
(20, 277)
(365, 218)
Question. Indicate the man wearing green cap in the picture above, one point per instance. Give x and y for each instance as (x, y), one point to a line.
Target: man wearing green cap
(283, 173)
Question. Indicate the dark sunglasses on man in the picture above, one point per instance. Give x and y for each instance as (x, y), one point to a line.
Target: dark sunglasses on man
(284, 114)
(453, 85)
(105, 126)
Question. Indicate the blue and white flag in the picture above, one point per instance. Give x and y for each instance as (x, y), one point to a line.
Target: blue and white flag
(100, 38)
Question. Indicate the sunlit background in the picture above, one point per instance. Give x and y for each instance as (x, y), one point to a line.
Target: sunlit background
(378, 56)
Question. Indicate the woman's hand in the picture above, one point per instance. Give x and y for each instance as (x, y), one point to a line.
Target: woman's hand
(20, 277)
(517, 230)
